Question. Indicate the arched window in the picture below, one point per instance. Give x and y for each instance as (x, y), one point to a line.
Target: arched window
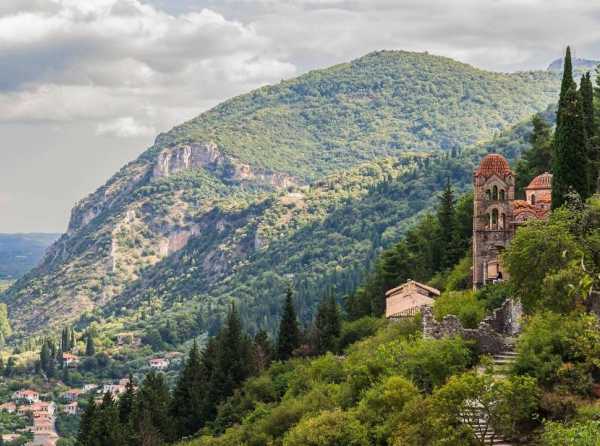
(488, 195)
(502, 195)
(532, 198)
(495, 193)
(495, 219)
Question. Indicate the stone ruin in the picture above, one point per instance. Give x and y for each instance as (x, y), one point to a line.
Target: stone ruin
(491, 334)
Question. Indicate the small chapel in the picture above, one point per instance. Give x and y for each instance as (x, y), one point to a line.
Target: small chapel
(497, 215)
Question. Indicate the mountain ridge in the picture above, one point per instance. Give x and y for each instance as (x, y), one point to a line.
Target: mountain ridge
(287, 136)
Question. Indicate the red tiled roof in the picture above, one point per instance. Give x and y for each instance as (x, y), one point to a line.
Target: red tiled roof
(543, 181)
(524, 207)
(493, 164)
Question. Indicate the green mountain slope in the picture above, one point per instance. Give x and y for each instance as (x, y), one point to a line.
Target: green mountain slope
(262, 189)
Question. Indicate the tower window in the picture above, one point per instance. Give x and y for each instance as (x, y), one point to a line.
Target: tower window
(495, 219)
(532, 198)
(488, 195)
(495, 193)
(502, 195)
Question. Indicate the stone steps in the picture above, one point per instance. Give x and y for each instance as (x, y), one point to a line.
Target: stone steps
(502, 363)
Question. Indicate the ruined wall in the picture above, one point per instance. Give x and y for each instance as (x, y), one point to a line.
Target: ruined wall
(489, 336)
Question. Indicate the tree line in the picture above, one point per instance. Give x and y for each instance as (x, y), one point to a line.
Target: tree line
(153, 415)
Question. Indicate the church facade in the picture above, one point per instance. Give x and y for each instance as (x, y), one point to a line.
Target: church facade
(497, 214)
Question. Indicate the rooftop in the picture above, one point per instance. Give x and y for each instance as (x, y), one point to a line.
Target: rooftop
(493, 164)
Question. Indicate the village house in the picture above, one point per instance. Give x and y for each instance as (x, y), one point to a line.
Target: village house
(408, 299)
(38, 409)
(8, 407)
(70, 360)
(159, 363)
(497, 214)
(72, 394)
(26, 394)
(71, 408)
(89, 387)
(113, 389)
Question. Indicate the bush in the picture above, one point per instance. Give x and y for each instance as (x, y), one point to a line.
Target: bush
(558, 406)
(463, 304)
(359, 329)
(329, 428)
(578, 434)
(460, 278)
(493, 295)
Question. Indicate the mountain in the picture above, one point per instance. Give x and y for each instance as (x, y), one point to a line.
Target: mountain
(21, 252)
(580, 66)
(304, 181)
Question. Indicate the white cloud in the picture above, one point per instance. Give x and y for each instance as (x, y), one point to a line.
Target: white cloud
(125, 127)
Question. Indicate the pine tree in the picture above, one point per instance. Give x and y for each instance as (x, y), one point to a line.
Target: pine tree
(126, 402)
(106, 429)
(232, 362)
(570, 164)
(86, 425)
(188, 396)
(289, 333)
(151, 418)
(327, 325)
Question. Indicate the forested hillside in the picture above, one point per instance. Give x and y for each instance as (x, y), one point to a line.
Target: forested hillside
(254, 192)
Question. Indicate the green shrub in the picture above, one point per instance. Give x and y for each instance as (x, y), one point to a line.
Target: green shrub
(463, 304)
(578, 434)
(329, 428)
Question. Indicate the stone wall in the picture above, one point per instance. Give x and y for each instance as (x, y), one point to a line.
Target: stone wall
(490, 336)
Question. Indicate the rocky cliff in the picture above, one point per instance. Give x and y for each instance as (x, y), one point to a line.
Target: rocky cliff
(263, 180)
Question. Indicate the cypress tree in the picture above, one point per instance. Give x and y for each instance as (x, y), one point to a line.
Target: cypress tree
(570, 166)
(567, 82)
(288, 339)
(126, 402)
(90, 348)
(446, 225)
(587, 96)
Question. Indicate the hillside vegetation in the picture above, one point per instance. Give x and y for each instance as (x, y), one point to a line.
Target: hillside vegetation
(217, 209)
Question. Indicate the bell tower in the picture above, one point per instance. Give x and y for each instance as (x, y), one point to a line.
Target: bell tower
(493, 227)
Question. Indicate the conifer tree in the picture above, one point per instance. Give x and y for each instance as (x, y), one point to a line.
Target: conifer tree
(188, 396)
(288, 339)
(151, 418)
(447, 227)
(567, 82)
(587, 96)
(86, 424)
(126, 402)
(231, 363)
(570, 163)
(90, 348)
(327, 325)
(538, 158)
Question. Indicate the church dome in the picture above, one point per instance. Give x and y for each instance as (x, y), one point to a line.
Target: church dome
(543, 181)
(493, 164)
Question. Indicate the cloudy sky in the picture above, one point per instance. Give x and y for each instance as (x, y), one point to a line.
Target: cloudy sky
(85, 85)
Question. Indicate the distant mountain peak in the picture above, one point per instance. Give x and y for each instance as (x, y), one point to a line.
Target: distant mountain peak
(578, 64)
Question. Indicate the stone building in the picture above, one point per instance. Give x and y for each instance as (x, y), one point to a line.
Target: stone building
(408, 299)
(496, 214)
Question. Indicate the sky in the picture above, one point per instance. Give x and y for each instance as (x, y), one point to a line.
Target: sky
(86, 85)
